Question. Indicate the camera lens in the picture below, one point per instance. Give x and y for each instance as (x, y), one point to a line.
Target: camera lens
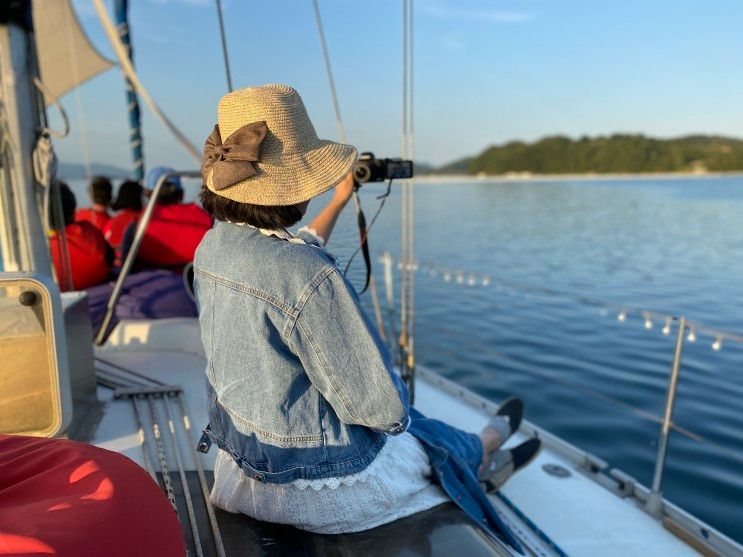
(362, 173)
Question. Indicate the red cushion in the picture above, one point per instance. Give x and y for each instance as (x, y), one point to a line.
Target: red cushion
(59, 497)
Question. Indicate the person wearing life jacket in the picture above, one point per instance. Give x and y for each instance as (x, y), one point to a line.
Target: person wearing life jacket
(88, 254)
(101, 192)
(176, 228)
(128, 203)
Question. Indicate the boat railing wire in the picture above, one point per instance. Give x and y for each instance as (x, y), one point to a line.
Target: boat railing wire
(622, 312)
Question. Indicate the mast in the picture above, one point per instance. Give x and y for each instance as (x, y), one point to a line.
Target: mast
(121, 8)
(22, 239)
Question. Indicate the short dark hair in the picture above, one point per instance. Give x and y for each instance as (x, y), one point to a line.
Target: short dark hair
(68, 205)
(170, 194)
(129, 196)
(261, 216)
(101, 190)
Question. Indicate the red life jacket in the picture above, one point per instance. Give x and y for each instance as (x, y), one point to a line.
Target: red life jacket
(87, 256)
(94, 216)
(114, 230)
(173, 234)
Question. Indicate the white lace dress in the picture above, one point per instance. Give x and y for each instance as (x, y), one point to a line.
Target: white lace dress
(396, 484)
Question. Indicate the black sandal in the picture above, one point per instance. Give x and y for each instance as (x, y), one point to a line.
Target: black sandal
(513, 410)
(504, 464)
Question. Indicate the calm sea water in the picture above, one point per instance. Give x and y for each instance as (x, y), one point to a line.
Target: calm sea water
(550, 250)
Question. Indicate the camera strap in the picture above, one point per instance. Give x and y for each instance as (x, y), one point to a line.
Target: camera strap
(364, 242)
(364, 231)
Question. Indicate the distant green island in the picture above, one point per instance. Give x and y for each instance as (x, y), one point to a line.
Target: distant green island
(615, 154)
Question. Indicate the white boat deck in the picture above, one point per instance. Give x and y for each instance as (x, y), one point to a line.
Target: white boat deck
(582, 517)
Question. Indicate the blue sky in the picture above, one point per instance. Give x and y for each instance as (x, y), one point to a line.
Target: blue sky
(485, 71)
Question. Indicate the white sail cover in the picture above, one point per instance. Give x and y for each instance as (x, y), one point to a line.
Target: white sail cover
(66, 56)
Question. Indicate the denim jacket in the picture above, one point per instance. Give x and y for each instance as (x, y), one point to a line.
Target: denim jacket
(300, 384)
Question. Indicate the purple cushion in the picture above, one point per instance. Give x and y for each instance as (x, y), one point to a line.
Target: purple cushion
(146, 295)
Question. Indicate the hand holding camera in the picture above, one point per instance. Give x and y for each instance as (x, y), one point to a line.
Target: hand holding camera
(344, 189)
(371, 169)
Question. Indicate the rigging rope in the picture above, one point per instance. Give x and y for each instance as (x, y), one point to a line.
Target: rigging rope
(45, 172)
(329, 72)
(45, 164)
(128, 69)
(44, 90)
(227, 71)
(78, 97)
(357, 204)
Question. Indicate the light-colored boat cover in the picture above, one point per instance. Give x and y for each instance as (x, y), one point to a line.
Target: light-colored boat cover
(66, 56)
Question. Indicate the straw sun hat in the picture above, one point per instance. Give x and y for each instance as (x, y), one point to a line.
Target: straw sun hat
(265, 150)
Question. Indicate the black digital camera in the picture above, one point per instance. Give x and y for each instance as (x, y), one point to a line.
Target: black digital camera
(371, 169)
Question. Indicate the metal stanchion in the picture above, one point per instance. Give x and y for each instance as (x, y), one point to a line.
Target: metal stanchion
(654, 504)
(389, 288)
(103, 331)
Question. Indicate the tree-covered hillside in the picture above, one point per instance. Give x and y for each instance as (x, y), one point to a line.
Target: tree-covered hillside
(614, 154)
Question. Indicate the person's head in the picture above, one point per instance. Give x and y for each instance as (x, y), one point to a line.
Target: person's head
(100, 191)
(171, 191)
(68, 205)
(263, 161)
(129, 196)
(272, 217)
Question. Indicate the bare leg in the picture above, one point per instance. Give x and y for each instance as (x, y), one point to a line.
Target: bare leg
(499, 429)
(493, 436)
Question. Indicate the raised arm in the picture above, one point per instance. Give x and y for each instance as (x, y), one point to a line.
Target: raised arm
(322, 225)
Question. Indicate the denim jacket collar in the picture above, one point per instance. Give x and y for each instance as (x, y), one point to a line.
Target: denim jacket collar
(284, 234)
(281, 233)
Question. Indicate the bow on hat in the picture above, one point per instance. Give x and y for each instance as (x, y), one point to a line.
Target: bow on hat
(232, 160)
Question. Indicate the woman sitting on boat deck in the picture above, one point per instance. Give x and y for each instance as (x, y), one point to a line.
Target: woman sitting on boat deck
(312, 422)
